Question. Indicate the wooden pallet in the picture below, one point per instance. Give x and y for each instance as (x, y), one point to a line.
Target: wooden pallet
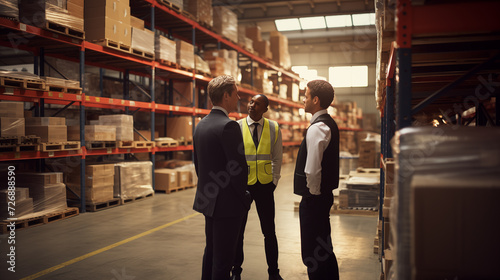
(114, 45)
(143, 54)
(172, 6)
(20, 148)
(185, 142)
(64, 89)
(176, 189)
(60, 146)
(100, 144)
(166, 143)
(97, 206)
(68, 31)
(39, 220)
(16, 82)
(125, 144)
(18, 140)
(133, 199)
(168, 63)
(143, 144)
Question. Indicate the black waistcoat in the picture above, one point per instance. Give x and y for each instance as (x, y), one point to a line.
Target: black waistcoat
(329, 164)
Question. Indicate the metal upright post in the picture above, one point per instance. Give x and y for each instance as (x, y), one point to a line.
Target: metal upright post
(126, 96)
(82, 132)
(101, 81)
(152, 93)
(193, 118)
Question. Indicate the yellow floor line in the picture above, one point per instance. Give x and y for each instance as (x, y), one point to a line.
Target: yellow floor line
(59, 266)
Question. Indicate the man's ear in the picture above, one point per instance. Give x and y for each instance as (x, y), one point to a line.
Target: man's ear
(316, 100)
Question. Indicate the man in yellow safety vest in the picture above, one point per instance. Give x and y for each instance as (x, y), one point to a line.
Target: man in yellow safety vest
(263, 152)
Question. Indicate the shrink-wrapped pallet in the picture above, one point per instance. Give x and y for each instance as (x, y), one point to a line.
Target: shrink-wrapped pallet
(133, 179)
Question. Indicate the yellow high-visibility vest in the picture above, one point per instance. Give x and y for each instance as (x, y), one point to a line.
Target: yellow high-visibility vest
(259, 160)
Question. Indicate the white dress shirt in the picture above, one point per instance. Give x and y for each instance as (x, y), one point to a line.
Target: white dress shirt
(317, 138)
(276, 148)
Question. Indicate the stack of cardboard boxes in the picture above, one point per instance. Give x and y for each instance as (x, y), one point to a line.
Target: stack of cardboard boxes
(108, 20)
(49, 129)
(9, 9)
(12, 122)
(201, 10)
(142, 39)
(23, 204)
(165, 49)
(133, 179)
(68, 13)
(262, 47)
(184, 54)
(99, 182)
(172, 179)
(124, 125)
(47, 190)
(279, 50)
(222, 62)
(225, 23)
(369, 153)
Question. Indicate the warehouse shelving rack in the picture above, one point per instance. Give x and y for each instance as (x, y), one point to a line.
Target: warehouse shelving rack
(444, 60)
(22, 36)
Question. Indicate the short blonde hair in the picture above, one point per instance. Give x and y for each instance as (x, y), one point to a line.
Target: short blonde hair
(218, 86)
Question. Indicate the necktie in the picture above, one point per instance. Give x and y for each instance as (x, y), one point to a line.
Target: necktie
(255, 135)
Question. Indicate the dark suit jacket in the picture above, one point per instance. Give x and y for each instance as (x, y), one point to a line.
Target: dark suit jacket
(220, 163)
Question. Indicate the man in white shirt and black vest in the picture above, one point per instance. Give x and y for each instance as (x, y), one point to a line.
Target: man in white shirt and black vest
(316, 175)
(264, 153)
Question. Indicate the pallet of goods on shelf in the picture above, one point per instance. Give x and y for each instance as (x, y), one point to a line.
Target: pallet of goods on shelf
(171, 180)
(9, 9)
(142, 39)
(225, 22)
(184, 54)
(222, 62)
(165, 50)
(279, 50)
(262, 47)
(52, 132)
(62, 85)
(243, 41)
(201, 10)
(166, 142)
(176, 5)
(65, 17)
(133, 181)
(107, 23)
(23, 80)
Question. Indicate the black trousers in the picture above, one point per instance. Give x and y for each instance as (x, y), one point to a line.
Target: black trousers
(263, 195)
(221, 237)
(315, 235)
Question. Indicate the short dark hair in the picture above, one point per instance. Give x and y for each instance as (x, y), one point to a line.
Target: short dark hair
(218, 86)
(323, 90)
(266, 100)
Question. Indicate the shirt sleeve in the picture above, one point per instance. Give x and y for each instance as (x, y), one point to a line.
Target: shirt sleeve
(277, 157)
(317, 138)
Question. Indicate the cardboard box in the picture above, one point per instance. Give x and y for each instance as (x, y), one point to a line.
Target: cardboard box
(100, 170)
(184, 54)
(124, 125)
(23, 207)
(18, 194)
(254, 33)
(133, 179)
(184, 178)
(45, 121)
(165, 49)
(12, 127)
(97, 29)
(39, 12)
(73, 132)
(279, 50)
(201, 10)
(12, 109)
(39, 178)
(48, 133)
(136, 22)
(263, 48)
(453, 228)
(165, 179)
(92, 194)
(225, 22)
(143, 40)
(100, 133)
(48, 197)
(180, 128)
(117, 10)
(9, 9)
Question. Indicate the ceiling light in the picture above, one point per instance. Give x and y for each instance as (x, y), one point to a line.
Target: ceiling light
(363, 19)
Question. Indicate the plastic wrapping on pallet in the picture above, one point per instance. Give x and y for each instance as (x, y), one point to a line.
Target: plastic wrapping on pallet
(48, 133)
(202, 65)
(23, 204)
(184, 54)
(9, 8)
(12, 109)
(447, 155)
(133, 179)
(67, 13)
(12, 127)
(225, 23)
(100, 133)
(143, 40)
(61, 82)
(124, 125)
(201, 10)
(165, 49)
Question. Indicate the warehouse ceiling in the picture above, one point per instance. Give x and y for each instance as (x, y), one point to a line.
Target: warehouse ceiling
(263, 13)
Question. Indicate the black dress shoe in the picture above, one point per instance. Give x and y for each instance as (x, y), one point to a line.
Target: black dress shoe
(275, 277)
(236, 277)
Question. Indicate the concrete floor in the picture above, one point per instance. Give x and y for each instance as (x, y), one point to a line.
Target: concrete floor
(147, 240)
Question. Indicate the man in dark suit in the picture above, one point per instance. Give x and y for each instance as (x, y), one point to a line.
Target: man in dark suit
(222, 171)
(316, 175)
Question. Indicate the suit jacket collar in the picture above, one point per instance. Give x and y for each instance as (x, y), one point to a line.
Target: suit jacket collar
(220, 109)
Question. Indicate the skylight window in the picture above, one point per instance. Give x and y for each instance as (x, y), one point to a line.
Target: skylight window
(338, 21)
(363, 19)
(312, 23)
(308, 23)
(288, 24)
(349, 76)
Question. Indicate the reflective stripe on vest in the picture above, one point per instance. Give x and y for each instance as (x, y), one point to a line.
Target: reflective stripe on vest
(260, 161)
